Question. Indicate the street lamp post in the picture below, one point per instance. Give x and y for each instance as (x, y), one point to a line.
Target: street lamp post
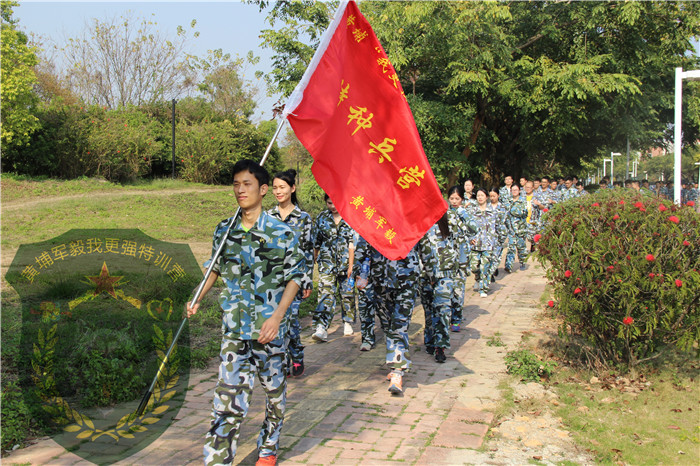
(604, 162)
(698, 164)
(693, 75)
(612, 170)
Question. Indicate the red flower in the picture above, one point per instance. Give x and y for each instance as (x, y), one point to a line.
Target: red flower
(673, 219)
(679, 283)
(628, 320)
(615, 217)
(690, 204)
(611, 268)
(547, 210)
(622, 202)
(550, 303)
(652, 275)
(639, 205)
(595, 204)
(685, 242)
(567, 274)
(537, 237)
(577, 290)
(662, 208)
(650, 257)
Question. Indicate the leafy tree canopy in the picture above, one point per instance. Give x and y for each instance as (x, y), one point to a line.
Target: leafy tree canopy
(524, 88)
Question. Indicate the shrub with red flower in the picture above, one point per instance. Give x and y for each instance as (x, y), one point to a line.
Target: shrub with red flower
(690, 203)
(537, 237)
(550, 303)
(656, 274)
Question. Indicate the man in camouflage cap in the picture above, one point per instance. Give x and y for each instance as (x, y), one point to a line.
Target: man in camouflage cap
(261, 266)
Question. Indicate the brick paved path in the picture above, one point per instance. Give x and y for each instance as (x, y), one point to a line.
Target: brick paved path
(340, 411)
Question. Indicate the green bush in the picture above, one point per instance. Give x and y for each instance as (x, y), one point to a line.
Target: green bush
(624, 272)
(14, 423)
(528, 366)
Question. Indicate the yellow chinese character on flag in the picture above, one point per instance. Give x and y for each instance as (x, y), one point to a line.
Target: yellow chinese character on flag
(390, 234)
(359, 35)
(383, 62)
(357, 201)
(410, 175)
(343, 92)
(369, 212)
(383, 148)
(351, 20)
(381, 222)
(357, 114)
(394, 77)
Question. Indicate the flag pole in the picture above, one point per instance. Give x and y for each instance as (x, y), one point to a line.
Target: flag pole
(147, 396)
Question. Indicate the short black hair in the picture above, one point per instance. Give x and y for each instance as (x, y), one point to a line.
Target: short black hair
(259, 172)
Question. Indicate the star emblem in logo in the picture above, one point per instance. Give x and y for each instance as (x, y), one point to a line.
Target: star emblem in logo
(105, 282)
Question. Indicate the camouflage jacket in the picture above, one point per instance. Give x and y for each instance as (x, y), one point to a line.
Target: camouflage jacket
(387, 273)
(517, 217)
(255, 266)
(545, 196)
(501, 222)
(333, 243)
(439, 255)
(467, 229)
(300, 222)
(488, 232)
(569, 193)
(504, 196)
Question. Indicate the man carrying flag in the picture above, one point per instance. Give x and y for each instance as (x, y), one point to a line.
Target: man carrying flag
(351, 114)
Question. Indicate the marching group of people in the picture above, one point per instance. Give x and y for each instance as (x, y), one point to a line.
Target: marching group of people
(267, 264)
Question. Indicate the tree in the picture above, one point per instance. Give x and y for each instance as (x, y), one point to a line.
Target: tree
(522, 87)
(224, 84)
(17, 81)
(126, 61)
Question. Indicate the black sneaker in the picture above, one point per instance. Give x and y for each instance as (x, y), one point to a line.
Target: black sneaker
(430, 349)
(440, 355)
(507, 270)
(495, 274)
(493, 279)
(297, 369)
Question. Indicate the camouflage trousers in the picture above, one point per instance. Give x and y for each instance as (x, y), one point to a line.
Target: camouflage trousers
(516, 243)
(496, 255)
(396, 305)
(240, 361)
(457, 301)
(328, 286)
(367, 302)
(481, 263)
(437, 305)
(295, 349)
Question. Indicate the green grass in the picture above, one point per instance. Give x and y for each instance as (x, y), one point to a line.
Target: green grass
(652, 426)
(19, 187)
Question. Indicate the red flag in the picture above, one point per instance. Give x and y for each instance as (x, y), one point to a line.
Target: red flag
(351, 114)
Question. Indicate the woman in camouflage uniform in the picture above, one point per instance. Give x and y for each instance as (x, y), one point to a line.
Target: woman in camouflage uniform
(288, 211)
(483, 242)
(517, 230)
(455, 197)
(439, 255)
(334, 252)
(501, 216)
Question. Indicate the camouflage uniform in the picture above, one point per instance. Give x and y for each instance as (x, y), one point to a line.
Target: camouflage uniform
(255, 266)
(395, 286)
(569, 193)
(333, 243)
(440, 267)
(545, 197)
(300, 222)
(504, 196)
(517, 227)
(487, 235)
(367, 299)
(501, 222)
(467, 229)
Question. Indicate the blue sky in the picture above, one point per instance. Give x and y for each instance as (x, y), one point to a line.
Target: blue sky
(231, 26)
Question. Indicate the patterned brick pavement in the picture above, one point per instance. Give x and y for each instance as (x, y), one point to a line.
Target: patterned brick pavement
(340, 411)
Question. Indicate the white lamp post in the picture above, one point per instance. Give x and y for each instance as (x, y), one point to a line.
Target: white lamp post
(698, 164)
(612, 170)
(693, 75)
(604, 162)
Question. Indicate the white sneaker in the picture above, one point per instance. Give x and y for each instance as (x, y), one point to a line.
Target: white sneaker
(321, 334)
(347, 329)
(483, 294)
